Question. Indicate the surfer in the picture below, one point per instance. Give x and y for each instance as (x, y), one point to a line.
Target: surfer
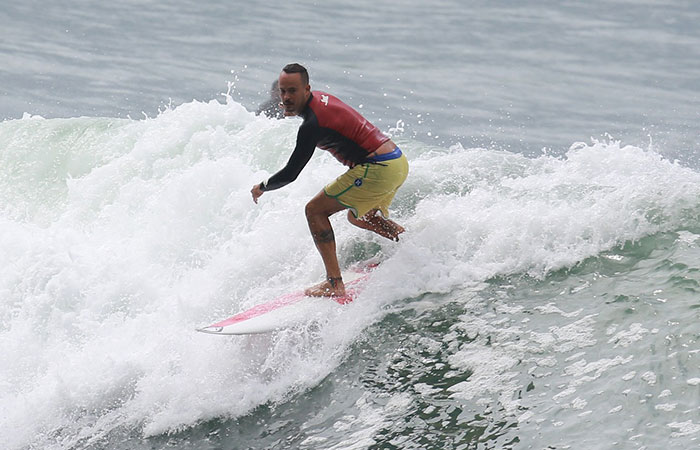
(377, 168)
(272, 107)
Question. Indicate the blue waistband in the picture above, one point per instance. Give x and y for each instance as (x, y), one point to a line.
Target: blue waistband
(396, 153)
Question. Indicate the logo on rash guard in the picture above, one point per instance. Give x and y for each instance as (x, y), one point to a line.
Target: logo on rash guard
(324, 99)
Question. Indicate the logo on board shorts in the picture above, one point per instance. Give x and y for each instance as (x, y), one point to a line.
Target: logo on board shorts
(358, 182)
(324, 99)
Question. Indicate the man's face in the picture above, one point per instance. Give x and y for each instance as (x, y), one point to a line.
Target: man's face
(293, 93)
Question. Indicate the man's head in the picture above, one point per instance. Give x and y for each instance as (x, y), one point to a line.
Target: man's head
(294, 88)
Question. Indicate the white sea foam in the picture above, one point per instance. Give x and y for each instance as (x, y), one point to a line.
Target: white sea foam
(649, 377)
(119, 237)
(687, 428)
(626, 338)
(358, 430)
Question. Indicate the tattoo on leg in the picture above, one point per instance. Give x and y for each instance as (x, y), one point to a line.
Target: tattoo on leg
(324, 236)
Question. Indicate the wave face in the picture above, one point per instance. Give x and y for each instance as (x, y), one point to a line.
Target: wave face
(118, 237)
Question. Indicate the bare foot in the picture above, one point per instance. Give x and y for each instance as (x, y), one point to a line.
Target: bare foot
(394, 230)
(387, 228)
(330, 287)
(374, 221)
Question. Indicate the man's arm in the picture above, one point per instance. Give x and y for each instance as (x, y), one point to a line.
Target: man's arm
(297, 161)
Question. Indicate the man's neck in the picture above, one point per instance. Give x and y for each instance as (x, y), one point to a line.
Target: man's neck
(306, 106)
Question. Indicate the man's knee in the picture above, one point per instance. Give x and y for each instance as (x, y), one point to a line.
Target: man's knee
(322, 206)
(319, 206)
(352, 219)
(358, 221)
(311, 209)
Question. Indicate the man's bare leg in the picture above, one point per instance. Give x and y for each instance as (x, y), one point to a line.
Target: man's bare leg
(377, 223)
(318, 212)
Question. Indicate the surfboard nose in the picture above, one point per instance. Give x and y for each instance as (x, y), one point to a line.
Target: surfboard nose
(211, 330)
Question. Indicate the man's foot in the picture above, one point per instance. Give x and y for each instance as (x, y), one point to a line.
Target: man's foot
(374, 221)
(330, 287)
(394, 229)
(384, 227)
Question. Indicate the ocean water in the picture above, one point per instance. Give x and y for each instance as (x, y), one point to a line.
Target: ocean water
(544, 296)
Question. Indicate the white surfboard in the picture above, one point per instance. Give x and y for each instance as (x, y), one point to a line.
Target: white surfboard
(290, 309)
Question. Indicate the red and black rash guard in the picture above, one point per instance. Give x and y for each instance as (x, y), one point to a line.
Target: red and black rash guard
(329, 124)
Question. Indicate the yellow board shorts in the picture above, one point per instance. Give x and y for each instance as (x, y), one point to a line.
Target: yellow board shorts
(369, 186)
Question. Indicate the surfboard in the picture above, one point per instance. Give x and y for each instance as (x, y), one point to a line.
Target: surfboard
(291, 309)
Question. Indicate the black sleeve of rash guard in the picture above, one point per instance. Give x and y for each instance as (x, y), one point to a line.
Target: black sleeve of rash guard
(300, 157)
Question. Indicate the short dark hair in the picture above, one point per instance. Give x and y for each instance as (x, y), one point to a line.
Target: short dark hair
(297, 68)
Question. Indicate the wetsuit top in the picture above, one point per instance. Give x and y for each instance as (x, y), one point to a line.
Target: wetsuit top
(329, 124)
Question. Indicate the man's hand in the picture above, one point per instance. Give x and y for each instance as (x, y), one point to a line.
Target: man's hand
(256, 192)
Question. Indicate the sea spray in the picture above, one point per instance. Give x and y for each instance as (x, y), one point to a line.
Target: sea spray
(119, 237)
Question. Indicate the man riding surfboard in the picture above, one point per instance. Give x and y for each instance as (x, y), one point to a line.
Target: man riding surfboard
(377, 168)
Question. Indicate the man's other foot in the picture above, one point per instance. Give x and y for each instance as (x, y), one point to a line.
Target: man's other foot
(394, 230)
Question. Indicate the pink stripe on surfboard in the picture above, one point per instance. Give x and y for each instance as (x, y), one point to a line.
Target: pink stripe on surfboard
(287, 299)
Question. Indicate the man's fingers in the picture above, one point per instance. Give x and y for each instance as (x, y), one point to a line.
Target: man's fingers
(256, 193)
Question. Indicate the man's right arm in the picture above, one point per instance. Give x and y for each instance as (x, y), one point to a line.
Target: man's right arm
(297, 161)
